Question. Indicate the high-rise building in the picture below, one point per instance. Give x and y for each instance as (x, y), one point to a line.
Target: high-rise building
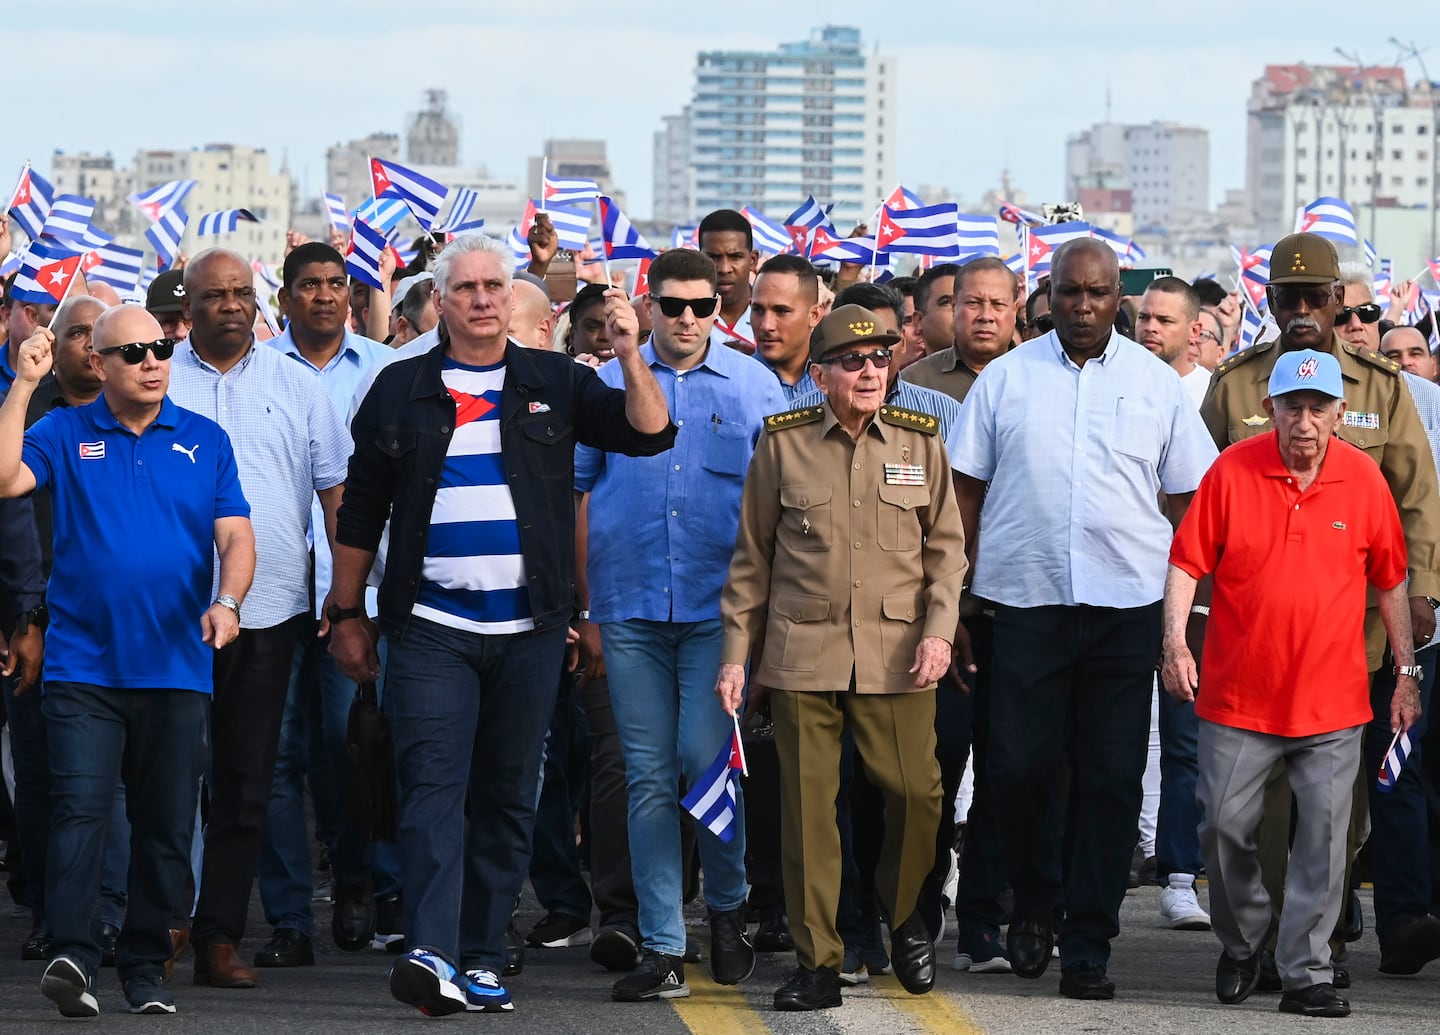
(433, 136)
(1161, 169)
(674, 190)
(769, 127)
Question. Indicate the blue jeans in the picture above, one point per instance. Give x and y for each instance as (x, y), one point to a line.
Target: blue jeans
(555, 861)
(318, 694)
(469, 714)
(662, 688)
(1177, 830)
(96, 737)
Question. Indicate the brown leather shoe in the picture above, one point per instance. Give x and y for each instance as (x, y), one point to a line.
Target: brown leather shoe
(219, 966)
(179, 946)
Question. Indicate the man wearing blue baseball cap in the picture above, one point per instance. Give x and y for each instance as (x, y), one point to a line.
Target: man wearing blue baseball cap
(1285, 668)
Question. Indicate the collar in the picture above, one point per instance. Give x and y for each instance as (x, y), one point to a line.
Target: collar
(285, 343)
(99, 412)
(1112, 347)
(1272, 466)
(716, 361)
(244, 362)
(830, 422)
(521, 372)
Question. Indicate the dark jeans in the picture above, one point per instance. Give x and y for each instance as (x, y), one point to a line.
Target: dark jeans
(24, 716)
(251, 677)
(1072, 682)
(762, 826)
(607, 833)
(1401, 864)
(982, 866)
(469, 713)
(96, 737)
(954, 723)
(1177, 830)
(555, 860)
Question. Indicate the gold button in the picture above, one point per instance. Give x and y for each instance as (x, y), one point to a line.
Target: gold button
(857, 467)
(858, 583)
(859, 622)
(856, 503)
(909, 614)
(804, 502)
(906, 500)
(857, 545)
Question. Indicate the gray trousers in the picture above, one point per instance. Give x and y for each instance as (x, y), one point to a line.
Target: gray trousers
(1234, 764)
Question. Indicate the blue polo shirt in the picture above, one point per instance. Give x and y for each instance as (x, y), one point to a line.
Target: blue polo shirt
(134, 521)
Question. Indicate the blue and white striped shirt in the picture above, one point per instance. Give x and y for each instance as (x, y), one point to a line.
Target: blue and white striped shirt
(473, 577)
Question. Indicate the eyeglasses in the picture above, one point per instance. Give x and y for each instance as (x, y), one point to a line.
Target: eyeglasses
(675, 307)
(1288, 296)
(853, 361)
(1209, 334)
(1043, 324)
(1369, 312)
(134, 352)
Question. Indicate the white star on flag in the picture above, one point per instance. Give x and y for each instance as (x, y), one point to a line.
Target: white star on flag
(58, 277)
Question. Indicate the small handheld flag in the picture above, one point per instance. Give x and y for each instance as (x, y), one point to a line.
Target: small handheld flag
(335, 210)
(1393, 762)
(621, 239)
(1330, 218)
(45, 273)
(562, 191)
(362, 258)
(423, 195)
(30, 203)
(224, 222)
(712, 800)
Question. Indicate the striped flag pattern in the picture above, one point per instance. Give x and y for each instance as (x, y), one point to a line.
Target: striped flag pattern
(335, 210)
(620, 238)
(362, 258)
(226, 221)
(712, 801)
(30, 203)
(423, 195)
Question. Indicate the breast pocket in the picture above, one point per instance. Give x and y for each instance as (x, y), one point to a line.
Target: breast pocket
(727, 449)
(556, 456)
(798, 623)
(395, 442)
(805, 517)
(898, 527)
(1137, 431)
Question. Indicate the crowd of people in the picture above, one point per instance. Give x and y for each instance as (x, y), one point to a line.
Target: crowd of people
(1146, 607)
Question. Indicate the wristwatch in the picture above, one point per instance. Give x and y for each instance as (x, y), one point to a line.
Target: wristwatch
(336, 613)
(1415, 672)
(226, 600)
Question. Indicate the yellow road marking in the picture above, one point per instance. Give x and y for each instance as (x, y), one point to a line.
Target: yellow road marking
(935, 1012)
(712, 1009)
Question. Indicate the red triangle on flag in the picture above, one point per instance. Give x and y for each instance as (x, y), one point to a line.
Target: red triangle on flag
(889, 230)
(379, 177)
(91, 260)
(823, 239)
(642, 278)
(22, 191)
(55, 276)
(897, 199)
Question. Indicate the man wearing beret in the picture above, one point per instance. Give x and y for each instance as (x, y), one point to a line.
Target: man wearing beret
(851, 543)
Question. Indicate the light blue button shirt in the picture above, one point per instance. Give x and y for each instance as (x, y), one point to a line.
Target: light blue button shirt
(804, 386)
(1076, 458)
(909, 397)
(340, 377)
(1427, 403)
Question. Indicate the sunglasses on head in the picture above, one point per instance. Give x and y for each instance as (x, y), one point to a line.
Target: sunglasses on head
(853, 361)
(675, 307)
(1288, 296)
(1369, 312)
(134, 352)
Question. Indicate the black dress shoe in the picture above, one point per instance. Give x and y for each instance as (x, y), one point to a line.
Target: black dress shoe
(288, 948)
(1342, 975)
(1235, 979)
(36, 947)
(1315, 1001)
(1269, 975)
(1352, 927)
(816, 989)
(109, 935)
(1029, 943)
(912, 954)
(1411, 944)
(352, 924)
(514, 950)
(773, 934)
(1086, 981)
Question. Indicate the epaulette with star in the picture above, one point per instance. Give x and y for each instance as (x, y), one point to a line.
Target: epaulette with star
(1245, 356)
(1365, 355)
(794, 418)
(912, 419)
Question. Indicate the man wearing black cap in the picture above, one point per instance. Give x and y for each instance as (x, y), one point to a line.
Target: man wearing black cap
(849, 563)
(1380, 418)
(165, 300)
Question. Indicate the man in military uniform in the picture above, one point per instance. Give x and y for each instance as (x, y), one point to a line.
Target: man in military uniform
(1380, 418)
(862, 599)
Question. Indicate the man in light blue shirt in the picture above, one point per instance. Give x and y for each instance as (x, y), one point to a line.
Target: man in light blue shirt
(661, 532)
(1070, 441)
(784, 309)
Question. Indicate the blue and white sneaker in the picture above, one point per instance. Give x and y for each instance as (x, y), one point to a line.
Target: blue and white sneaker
(484, 993)
(66, 984)
(426, 981)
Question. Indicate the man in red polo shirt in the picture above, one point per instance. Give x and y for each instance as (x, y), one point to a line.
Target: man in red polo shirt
(1291, 526)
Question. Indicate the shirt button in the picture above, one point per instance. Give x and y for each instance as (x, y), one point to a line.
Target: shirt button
(857, 546)
(1297, 506)
(674, 513)
(859, 622)
(679, 423)
(444, 429)
(859, 583)
(1287, 481)
(680, 379)
(677, 467)
(905, 500)
(909, 614)
(857, 467)
(666, 589)
(856, 503)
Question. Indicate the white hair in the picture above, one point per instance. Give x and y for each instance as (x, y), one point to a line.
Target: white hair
(1358, 273)
(466, 244)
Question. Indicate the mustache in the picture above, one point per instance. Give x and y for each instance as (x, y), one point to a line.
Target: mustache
(1302, 323)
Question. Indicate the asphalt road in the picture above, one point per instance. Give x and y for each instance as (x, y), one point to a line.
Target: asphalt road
(1164, 979)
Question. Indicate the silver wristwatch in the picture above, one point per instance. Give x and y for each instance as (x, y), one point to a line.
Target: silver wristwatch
(1415, 672)
(226, 600)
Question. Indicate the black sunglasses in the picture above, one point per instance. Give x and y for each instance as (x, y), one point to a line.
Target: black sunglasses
(853, 361)
(134, 352)
(675, 307)
(1043, 324)
(1288, 296)
(1368, 312)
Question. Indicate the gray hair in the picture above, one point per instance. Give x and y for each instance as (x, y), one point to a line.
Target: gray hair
(63, 311)
(413, 304)
(467, 244)
(1358, 273)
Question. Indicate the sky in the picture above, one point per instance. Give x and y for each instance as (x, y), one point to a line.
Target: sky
(982, 87)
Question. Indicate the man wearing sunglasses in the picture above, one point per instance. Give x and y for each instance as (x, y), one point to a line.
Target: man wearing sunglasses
(147, 493)
(1306, 299)
(848, 566)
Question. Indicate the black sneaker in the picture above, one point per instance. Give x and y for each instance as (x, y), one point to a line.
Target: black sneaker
(389, 923)
(558, 931)
(732, 957)
(66, 984)
(817, 989)
(616, 947)
(657, 977)
(148, 995)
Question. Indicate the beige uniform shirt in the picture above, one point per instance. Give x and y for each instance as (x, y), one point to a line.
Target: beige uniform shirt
(944, 372)
(1380, 418)
(848, 553)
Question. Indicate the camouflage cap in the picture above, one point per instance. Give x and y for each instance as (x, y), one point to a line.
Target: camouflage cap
(850, 325)
(1304, 259)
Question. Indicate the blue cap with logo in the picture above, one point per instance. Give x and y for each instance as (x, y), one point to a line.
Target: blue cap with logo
(1306, 370)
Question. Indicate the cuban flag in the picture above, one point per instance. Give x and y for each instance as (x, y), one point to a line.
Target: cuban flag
(519, 247)
(642, 279)
(267, 275)
(1020, 216)
(1370, 253)
(855, 250)
(458, 217)
(687, 236)
(1043, 240)
(571, 223)
(30, 203)
(1392, 763)
(1433, 265)
(979, 235)
(902, 198)
(335, 210)
(115, 265)
(69, 221)
(769, 235)
(165, 233)
(226, 221)
(1330, 218)
(423, 195)
(712, 801)
(564, 191)
(931, 230)
(383, 212)
(810, 227)
(1251, 324)
(887, 231)
(10, 265)
(1125, 249)
(1016, 263)
(621, 239)
(362, 258)
(810, 214)
(156, 201)
(45, 272)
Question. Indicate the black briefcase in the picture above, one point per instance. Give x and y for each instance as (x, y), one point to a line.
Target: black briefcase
(371, 791)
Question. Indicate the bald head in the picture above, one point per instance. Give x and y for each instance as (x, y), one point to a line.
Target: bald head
(533, 321)
(1097, 250)
(205, 265)
(220, 306)
(124, 324)
(1408, 347)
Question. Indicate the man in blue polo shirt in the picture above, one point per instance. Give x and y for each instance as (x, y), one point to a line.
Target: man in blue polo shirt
(143, 492)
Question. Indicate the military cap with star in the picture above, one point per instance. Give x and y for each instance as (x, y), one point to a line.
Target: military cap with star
(850, 325)
(1304, 259)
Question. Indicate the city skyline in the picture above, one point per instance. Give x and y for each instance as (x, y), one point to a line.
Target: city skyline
(295, 82)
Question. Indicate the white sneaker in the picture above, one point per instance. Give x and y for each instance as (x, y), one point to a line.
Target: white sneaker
(1179, 908)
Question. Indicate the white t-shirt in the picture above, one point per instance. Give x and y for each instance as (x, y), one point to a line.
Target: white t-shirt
(1196, 383)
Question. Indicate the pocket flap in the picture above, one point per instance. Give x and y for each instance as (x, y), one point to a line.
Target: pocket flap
(548, 432)
(803, 497)
(395, 442)
(907, 497)
(903, 607)
(801, 607)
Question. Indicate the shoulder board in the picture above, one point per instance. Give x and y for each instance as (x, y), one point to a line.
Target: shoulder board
(1244, 356)
(913, 419)
(794, 418)
(1374, 359)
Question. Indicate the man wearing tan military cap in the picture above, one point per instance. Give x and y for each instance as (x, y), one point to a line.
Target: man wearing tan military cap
(1305, 297)
(847, 569)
